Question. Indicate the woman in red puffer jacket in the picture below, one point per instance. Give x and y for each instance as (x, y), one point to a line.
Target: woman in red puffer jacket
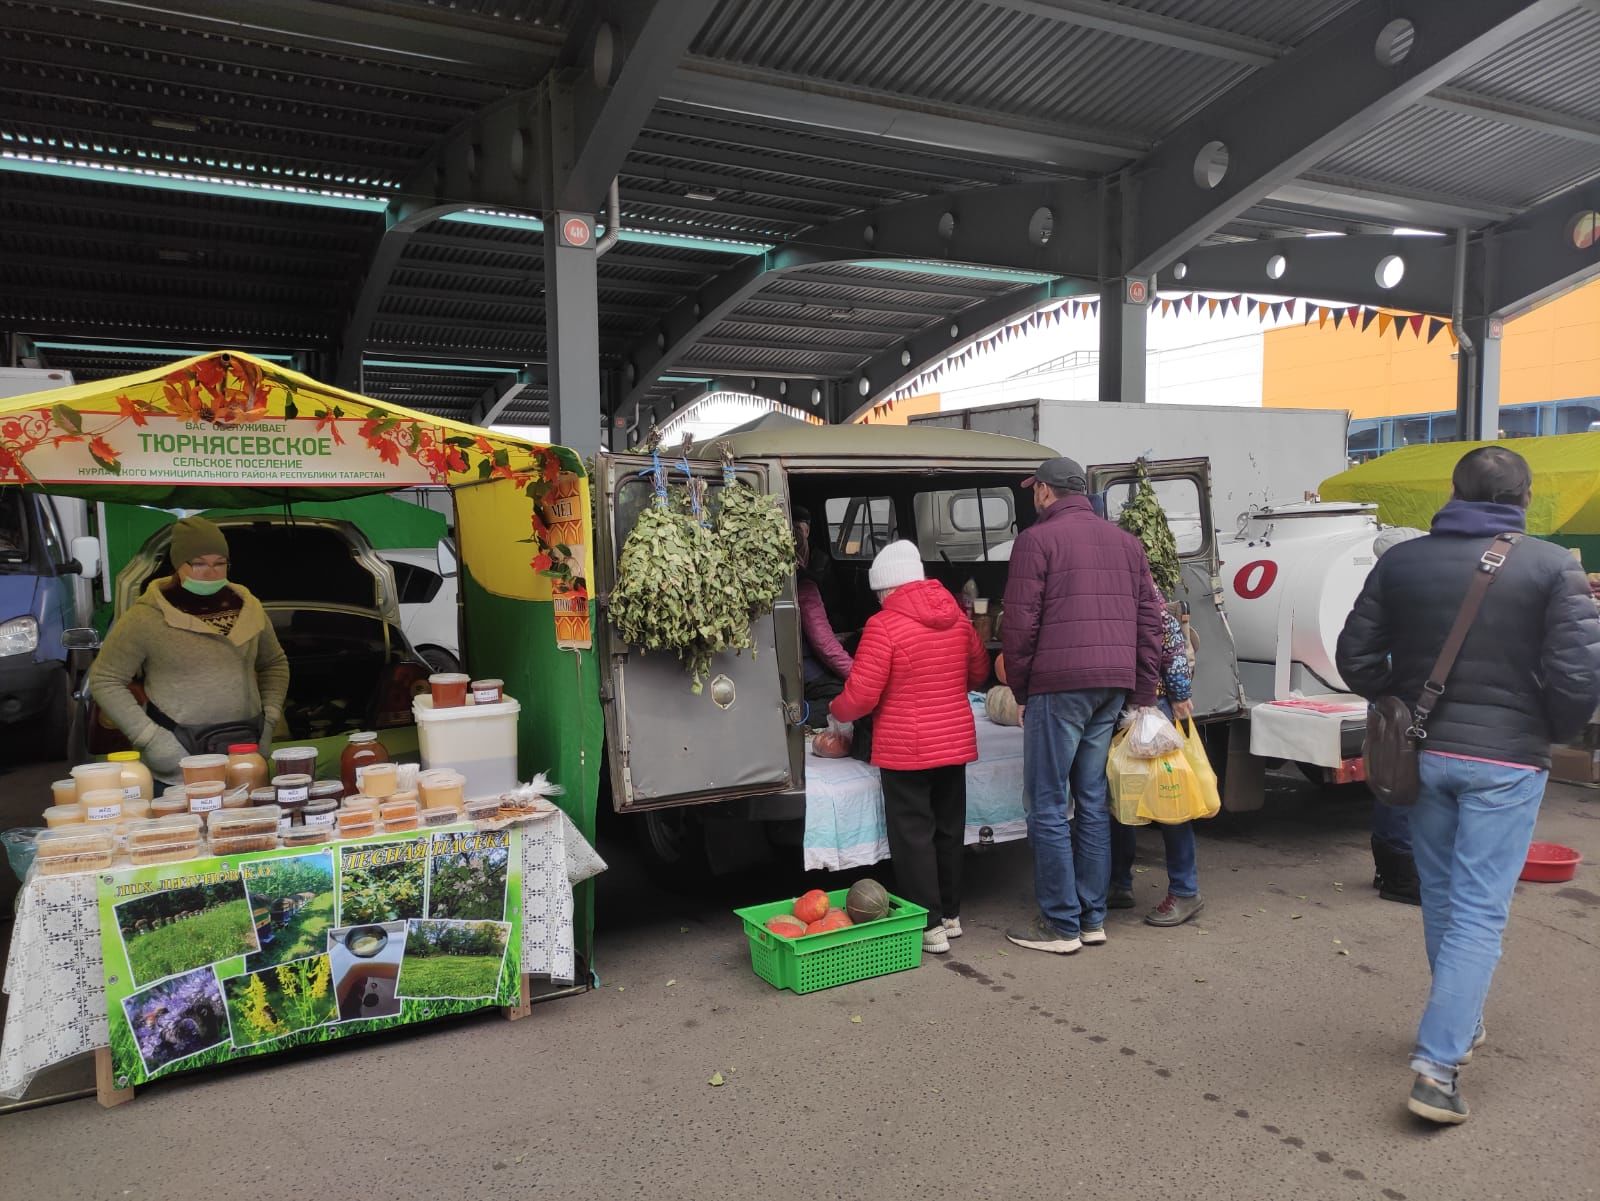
(918, 657)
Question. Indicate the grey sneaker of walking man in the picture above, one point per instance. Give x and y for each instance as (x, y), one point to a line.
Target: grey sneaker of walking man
(1040, 935)
(1429, 1101)
(1174, 911)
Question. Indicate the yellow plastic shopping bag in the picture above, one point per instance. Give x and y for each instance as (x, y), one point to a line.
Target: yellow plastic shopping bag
(1205, 775)
(1181, 786)
(1126, 777)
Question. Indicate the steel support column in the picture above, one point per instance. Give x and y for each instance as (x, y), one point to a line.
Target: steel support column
(1123, 328)
(1478, 381)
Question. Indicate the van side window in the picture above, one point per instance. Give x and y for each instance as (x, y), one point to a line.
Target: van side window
(50, 533)
(1180, 500)
(966, 525)
(860, 526)
(416, 585)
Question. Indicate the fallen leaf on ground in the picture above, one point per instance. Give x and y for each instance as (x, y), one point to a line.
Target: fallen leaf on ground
(1338, 943)
(855, 1019)
(1199, 979)
(716, 1080)
(670, 983)
(1294, 917)
(1342, 951)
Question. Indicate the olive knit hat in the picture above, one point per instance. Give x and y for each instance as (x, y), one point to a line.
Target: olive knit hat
(195, 536)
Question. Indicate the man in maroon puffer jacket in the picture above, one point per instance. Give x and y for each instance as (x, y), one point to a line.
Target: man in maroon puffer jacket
(917, 658)
(1082, 630)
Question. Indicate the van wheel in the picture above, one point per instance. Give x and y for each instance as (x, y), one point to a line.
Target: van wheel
(674, 841)
(439, 659)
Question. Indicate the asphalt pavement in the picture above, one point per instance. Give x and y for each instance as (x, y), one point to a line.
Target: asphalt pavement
(1258, 1052)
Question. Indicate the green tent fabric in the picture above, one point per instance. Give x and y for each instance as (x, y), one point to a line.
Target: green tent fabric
(1410, 485)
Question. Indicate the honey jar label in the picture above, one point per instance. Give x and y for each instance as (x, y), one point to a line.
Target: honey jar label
(293, 796)
(205, 804)
(131, 793)
(320, 819)
(102, 813)
(486, 696)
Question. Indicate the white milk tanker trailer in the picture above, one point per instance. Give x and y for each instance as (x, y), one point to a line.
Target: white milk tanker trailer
(1289, 578)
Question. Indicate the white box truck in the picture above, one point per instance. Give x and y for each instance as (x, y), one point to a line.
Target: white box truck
(1258, 456)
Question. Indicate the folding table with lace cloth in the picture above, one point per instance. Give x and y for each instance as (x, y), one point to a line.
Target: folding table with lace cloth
(55, 976)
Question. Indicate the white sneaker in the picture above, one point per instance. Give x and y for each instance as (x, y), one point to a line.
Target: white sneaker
(952, 927)
(934, 941)
(1093, 938)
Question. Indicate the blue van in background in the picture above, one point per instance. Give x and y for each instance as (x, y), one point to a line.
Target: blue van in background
(39, 600)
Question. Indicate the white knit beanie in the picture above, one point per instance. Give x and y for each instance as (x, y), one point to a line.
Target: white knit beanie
(898, 563)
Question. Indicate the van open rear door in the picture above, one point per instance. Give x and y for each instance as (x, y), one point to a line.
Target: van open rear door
(668, 746)
(1183, 486)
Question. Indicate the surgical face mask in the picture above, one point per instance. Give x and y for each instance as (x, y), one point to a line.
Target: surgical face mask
(204, 587)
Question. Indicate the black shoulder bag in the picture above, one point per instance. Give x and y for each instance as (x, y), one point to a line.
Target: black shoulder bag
(212, 739)
(1396, 730)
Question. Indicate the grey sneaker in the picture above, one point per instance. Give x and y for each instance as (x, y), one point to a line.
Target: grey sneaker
(952, 927)
(1429, 1101)
(1174, 911)
(1093, 938)
(1120, 898)
(1478, 1039)
(934, 941)
(1039, 935)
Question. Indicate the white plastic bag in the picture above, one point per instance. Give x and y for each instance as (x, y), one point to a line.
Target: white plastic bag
(1151, 734)
(834, 742)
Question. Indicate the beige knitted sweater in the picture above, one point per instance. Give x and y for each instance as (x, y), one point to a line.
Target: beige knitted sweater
(194, 674)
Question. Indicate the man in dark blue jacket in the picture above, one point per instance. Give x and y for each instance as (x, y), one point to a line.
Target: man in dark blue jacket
(1528, 674)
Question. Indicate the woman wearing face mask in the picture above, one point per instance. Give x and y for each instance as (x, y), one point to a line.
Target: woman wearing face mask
(202, 647)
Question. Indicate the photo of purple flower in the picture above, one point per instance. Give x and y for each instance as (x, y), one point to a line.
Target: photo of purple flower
(177, 1018)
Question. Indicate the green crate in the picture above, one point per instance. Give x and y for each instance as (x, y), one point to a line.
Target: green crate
(813, 961)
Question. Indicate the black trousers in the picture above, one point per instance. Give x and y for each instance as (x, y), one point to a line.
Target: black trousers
(926, 815)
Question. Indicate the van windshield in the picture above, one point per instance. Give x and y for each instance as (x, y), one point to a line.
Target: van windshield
(14, 541)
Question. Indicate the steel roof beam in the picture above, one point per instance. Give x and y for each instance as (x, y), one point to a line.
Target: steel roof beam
(898, 365)
(748, 92)
(1337, 269)
(499, 395)
(1537, 255)
(1271, 133)
(1148, 27)
(892, 281)
(921, 161)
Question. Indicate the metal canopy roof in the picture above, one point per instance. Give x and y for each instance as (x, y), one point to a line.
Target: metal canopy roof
(127, 128)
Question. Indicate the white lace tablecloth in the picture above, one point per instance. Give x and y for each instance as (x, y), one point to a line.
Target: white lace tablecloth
(844, 802)
(55, 977)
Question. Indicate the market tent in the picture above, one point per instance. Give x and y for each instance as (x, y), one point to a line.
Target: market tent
(1410, 485)
(227, 430)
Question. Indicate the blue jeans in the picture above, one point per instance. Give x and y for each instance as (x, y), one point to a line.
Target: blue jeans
(1066, 738)
(1183, 875)
(1391, 827)
(1470, 831)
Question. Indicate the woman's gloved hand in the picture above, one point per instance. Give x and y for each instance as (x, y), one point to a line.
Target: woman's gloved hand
(161, 752)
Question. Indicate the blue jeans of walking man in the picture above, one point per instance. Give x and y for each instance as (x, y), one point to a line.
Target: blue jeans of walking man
(1470, 831)
(1066, 738)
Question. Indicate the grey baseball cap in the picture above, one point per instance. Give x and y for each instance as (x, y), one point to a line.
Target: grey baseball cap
(1063, 474)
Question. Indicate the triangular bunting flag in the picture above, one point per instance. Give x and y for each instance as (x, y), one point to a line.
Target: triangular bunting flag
(1322, 317)
(1368, 316)
(1165, 305)
(1094, 307)
(1416, 324)
(1277, 310)
(1351, 313)
(1338, 318)
(1234, 301)
(1384, 320)
(1261, 309)
(1211, 305)
(1434, 326)
(1288, 307)
(1399, 325)
(1451, 330)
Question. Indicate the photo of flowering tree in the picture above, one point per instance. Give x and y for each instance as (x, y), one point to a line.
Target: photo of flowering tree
(280, 1000)
(381, 892)
(467, 885)
(174, 1019)
(453, 959)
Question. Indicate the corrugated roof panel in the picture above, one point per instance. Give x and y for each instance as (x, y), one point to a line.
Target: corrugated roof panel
(1283, 22)
(1465, 157)
(1555, 67)
(965, 53)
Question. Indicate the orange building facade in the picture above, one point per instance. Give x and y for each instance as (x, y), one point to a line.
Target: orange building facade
(1551, 353)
